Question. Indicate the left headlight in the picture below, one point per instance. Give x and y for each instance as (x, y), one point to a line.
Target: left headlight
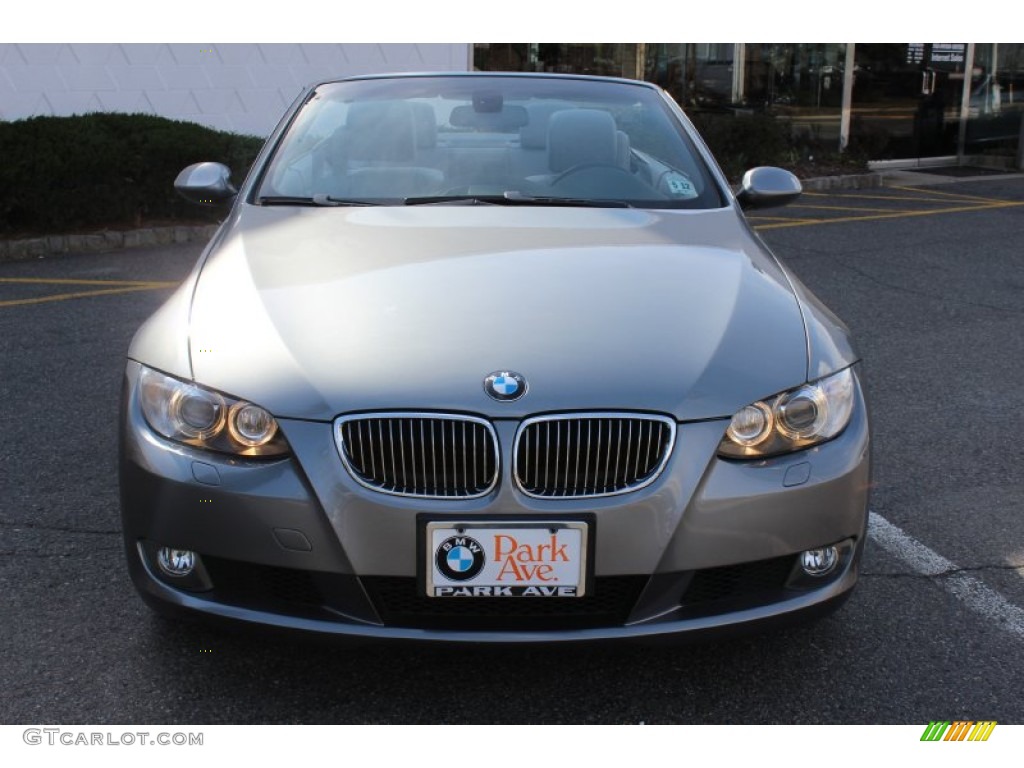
(191, 414)
(797, 419)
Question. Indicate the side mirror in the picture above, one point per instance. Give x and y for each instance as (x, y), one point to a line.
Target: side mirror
(767, 187)
(205, 183)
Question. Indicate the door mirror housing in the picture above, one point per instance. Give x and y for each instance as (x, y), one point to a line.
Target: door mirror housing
(205, 183)
(767, 187)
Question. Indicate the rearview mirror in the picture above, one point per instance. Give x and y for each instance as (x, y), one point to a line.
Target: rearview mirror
(205, 183)
(767, 187)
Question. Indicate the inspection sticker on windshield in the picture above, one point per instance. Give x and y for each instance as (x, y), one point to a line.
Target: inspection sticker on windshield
(506, 559)
(680, 186)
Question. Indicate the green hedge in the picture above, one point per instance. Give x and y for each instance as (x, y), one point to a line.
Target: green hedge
(741, 142)
(63, 174)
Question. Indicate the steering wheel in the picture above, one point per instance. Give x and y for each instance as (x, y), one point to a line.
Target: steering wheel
(586, 167)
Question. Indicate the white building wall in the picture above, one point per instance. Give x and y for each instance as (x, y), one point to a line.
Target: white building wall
(240, 87)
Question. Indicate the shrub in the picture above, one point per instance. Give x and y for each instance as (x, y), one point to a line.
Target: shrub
(60, 174)
(740, 142)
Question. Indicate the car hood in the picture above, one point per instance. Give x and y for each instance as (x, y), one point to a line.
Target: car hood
(313, 312)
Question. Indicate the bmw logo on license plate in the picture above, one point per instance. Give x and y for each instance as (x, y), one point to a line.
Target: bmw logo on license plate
(505, 385)
(459, 558)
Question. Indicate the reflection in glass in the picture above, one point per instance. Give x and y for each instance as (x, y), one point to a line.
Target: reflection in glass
(905, 103)
(997, 102)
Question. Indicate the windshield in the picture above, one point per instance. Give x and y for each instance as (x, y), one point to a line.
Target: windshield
(500, 140)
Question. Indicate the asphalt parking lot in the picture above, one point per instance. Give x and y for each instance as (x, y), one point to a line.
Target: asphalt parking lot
(930, 279)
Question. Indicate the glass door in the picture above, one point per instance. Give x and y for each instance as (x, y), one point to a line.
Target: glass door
(996, 104)
(906, 99)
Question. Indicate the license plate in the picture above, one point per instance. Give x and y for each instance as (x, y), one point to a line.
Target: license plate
(506, 559)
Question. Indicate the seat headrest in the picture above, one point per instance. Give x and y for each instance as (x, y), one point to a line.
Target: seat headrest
(534, 135)
(426, 125)
(581, 136)
(380, 131)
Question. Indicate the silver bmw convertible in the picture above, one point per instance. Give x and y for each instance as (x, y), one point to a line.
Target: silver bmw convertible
(492, 358)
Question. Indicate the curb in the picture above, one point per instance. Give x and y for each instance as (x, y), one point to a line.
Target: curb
(851, 181)
(99, 242)
(111, 240)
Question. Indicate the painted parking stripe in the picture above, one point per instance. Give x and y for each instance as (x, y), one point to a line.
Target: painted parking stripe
(893, 215)
(100, 288)
(863, 208)
(971, 591)
(957, 195)
(916, 198)
(781, 218)
(73, 281)
(907, 202)
(79, 295)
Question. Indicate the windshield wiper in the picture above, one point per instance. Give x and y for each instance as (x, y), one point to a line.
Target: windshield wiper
(518, 198)
(317, 200)
(515, 198)
(456, 200)
(508, 198)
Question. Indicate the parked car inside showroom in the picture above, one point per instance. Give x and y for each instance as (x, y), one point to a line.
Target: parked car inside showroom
(492, 358)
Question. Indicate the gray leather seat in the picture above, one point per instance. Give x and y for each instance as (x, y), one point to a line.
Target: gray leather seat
(581, 137)
(377, 152)
(532, 158)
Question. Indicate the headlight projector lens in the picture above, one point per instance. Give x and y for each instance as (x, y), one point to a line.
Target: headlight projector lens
(251, 425)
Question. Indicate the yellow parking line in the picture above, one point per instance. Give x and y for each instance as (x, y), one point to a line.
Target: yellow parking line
(845, 195)
(955, 195)
(69, 281)
(83, 294)
(780, 218)
(897, 198)
(848, 208)
(894, 215)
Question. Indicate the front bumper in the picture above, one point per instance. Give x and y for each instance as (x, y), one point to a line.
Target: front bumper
(297, 543)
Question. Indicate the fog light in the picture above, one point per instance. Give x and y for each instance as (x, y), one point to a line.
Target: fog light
(176, 562)
(818, 562)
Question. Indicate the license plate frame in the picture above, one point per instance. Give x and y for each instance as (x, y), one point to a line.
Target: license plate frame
(547, 541)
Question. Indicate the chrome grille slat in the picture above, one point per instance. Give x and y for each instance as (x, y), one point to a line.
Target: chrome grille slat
(433, 454)
(444, 464)
(422, 455)
(465, 472)
(475, 454)
(607, 458)
(639, 444)
(455, 459)
(591, 454)
(391, 441)
(362, 458)
(586, 459)
(619, 453)
(371, 446)
(576, 474)
(558, 450)
(401, 452)
(629, 447)
(547, 447)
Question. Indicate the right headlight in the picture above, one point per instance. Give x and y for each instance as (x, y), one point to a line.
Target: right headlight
(192, 414)
(797, 419)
